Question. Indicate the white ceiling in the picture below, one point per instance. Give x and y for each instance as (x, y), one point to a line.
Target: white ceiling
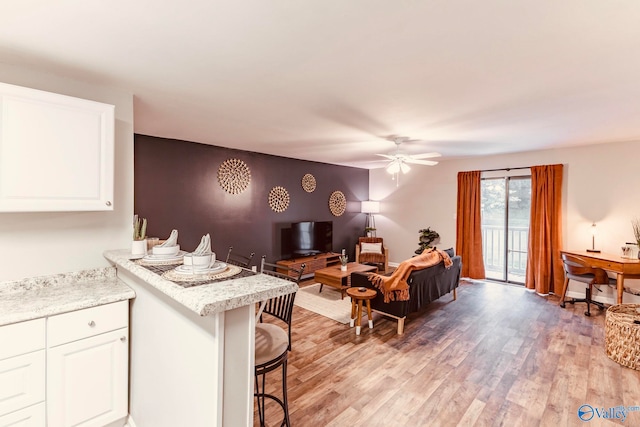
(331, 80)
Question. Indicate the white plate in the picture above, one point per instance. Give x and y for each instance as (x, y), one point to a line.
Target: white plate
(218, 266)
(164, 258)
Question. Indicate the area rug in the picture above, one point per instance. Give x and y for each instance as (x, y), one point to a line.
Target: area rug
(327, 303)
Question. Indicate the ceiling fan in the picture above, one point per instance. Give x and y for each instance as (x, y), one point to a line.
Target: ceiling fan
(400, 161)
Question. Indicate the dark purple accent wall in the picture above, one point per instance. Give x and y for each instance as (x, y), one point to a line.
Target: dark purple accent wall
(176, 186)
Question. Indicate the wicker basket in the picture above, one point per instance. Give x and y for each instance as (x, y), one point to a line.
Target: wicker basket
(622, 335)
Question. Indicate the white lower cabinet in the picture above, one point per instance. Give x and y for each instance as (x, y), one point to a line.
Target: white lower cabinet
(87, 381)
(81, 358)
(21, 381)
(87, 373)
(33, 416)
(22, 374)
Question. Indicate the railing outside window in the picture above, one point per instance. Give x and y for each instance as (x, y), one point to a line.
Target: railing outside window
(493, 243)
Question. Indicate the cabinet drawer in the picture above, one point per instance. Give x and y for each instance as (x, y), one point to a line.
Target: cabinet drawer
(21, 338)
(33, 416)
(80, 324)
(22, 381)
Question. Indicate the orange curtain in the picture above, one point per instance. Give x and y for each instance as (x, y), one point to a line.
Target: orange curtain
(544, 265)
(468, 225)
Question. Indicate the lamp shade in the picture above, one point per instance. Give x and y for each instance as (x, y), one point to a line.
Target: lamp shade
(370, 206)
(393, 168)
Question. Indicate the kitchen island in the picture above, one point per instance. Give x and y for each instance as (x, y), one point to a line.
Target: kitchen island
(192, 348)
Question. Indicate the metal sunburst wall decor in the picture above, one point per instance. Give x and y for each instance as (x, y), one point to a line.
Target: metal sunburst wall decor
(309, 183)
(337, 203)
(279, 199)
(234, 176)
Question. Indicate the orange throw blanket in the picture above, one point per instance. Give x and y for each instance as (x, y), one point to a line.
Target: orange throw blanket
(395, 287)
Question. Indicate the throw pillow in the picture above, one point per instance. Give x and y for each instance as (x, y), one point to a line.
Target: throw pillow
(450, 252)
(370, 248)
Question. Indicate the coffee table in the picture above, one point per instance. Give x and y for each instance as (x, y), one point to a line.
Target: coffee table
(341, 280)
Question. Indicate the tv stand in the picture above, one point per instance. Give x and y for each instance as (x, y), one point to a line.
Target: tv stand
(313, 262)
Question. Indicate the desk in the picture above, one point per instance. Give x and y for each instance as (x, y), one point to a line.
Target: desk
(611, 263)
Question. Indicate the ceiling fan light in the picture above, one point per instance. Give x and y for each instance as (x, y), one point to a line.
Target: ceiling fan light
(404, 167)
(393, 168)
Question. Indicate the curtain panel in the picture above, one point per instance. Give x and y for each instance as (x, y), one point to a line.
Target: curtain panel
(468, 225)
(545, 273)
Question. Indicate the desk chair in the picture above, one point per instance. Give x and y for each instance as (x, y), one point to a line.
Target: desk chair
(272, 342)
(576, 268)
(239, 260)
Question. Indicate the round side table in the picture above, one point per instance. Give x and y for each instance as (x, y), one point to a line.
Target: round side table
(357, 297)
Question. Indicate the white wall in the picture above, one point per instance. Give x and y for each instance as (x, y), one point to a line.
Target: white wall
(599, 186)
(70, 241)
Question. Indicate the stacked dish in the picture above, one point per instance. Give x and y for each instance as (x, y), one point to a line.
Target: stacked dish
(166, 252)
(202, 260)
(215, 267)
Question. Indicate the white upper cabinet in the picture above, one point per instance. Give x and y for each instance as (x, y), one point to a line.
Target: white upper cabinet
(56, 152)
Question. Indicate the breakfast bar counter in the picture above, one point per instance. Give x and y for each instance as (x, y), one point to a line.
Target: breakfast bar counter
(207, 299)
(192, 347)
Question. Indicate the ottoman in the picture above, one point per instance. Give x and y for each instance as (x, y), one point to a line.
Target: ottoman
(622, 334)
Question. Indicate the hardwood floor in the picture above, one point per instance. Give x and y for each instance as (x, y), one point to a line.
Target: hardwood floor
(498, 356)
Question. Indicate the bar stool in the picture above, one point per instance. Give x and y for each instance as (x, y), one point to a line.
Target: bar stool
(358, 295)
(273, 343)
(239, 260)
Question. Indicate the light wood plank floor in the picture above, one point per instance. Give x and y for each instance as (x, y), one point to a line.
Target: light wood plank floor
(498, 356)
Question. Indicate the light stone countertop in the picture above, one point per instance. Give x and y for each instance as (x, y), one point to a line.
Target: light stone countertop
(43, 296)
(211, 298)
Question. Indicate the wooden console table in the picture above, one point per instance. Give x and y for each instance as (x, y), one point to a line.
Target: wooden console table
(313, 263)
(623, 267)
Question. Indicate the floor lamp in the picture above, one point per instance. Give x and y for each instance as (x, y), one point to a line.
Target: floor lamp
(370, 207)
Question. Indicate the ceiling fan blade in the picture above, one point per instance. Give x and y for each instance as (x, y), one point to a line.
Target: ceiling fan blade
(421, 162)
(387, 156)
(425, 155)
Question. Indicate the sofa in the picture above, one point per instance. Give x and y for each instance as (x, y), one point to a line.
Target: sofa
(425, 285)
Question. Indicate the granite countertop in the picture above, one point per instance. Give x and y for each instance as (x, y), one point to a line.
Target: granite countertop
(210, 298)
(43, 296)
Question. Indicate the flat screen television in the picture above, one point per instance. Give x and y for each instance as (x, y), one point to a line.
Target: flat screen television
(311, 237)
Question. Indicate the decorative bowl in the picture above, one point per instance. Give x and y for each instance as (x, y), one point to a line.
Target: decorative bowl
(199, 261)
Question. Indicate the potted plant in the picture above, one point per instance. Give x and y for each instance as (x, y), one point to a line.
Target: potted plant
(139, 243)
(370, 232)
(344, 259)
(427, 236)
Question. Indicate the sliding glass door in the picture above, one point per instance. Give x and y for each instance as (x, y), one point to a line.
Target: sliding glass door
(506, 205)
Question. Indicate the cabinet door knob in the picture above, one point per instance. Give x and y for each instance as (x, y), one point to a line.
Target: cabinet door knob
(108, 203)
(123, 338)
(92, 323)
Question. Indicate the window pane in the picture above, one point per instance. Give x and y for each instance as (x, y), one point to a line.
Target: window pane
(518, 231)
(493, 226)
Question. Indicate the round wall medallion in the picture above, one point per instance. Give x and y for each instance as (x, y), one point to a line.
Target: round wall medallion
(234, 176)
(337, 203)
(308, 183)
(279, 199)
